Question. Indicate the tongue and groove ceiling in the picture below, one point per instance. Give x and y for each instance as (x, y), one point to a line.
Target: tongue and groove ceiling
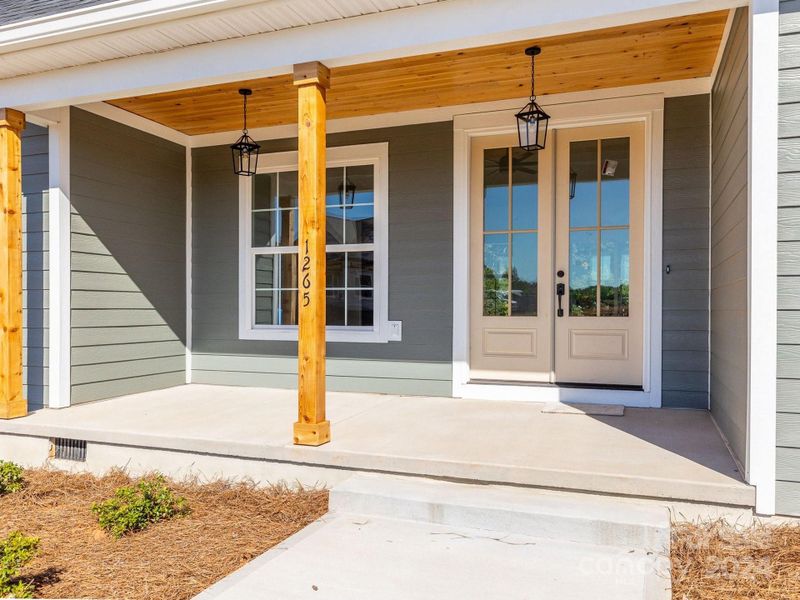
(650, 52)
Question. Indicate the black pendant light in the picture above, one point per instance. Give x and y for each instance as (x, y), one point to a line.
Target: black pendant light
(245, 150)
(532, 120)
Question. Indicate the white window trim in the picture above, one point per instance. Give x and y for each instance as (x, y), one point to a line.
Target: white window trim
(341, 156)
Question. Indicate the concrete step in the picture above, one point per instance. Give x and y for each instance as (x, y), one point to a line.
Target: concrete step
(366, 557)
(567, 518)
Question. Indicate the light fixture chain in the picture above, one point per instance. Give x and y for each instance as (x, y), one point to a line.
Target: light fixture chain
(244, 97)
(533, 78)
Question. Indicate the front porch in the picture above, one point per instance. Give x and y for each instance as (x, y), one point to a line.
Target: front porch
(666, 454)
(166, 277)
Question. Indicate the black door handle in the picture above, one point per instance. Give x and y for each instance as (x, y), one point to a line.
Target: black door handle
(560, 290)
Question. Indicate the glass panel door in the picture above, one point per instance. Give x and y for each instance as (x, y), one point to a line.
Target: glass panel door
(599, 223)
(599, 254)
(511, 212)
(510, 232)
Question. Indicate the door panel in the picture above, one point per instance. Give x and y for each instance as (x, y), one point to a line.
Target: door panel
(510, 261)
(599, 254)
(569, 217)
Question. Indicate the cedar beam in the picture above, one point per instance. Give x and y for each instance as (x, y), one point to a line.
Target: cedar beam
(311, 428)
(12, 402)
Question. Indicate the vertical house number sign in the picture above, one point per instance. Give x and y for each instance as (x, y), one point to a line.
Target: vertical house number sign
(306, 276)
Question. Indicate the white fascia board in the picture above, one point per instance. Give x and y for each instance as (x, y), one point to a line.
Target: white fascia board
(667, 89)
(762, 272)
(432, 27)
(103, 18)
(114, 113)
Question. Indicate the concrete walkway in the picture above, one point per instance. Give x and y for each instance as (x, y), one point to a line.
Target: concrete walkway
(444, 553)
(657, 453)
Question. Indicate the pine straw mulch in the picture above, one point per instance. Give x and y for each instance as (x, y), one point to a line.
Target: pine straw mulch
(718, 561)
(229, 524)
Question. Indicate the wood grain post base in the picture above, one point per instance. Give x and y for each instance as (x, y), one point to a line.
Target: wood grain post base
(312, 434)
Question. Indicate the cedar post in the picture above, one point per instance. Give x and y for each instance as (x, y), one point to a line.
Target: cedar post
(12, 402)
(311, 428)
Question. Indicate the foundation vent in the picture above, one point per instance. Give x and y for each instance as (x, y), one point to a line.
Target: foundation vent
(66, 449)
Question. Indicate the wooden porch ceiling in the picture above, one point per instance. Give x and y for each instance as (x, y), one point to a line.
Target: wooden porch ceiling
(665, 50)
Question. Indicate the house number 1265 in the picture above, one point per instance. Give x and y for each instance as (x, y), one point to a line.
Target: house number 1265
(306, 276)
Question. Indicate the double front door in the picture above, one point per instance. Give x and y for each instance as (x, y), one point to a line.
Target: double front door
(556, 261)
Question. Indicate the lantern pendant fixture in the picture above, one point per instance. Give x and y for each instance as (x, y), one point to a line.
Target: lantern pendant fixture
(245, 150)
(532, 120)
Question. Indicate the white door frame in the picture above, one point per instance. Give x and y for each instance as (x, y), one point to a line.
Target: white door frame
(650, 110)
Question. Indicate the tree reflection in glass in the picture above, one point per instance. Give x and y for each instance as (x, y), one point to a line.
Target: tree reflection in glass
(599, 246)
(495, 275)
(510, 240)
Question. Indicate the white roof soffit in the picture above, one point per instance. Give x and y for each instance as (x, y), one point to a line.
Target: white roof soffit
(179, 53)
(104, 18)
(128, 28)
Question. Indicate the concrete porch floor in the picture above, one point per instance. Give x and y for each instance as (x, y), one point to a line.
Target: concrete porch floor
(655, 453)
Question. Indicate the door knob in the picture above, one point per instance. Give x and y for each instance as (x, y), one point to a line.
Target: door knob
(560, 289)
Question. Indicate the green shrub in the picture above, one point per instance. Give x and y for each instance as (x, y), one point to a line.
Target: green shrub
(10, 477)
(134, 507)
(15, 552)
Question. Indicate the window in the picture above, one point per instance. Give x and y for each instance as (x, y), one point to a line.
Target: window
(599, 228)
(510, 232)
(356, 240)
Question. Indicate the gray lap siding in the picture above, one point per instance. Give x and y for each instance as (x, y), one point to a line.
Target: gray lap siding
(420, 274)
(35, 265)
(788, 351)
(128, 223)
(685, 306)
(729, 185)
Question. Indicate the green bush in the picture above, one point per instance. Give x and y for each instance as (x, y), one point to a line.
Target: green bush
(15, 552)
(10, 477)
(134, 507)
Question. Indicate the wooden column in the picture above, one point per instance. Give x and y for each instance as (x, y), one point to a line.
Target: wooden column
(311, 428)
(12, 402)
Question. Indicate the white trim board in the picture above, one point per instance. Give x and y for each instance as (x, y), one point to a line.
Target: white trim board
(722, 45)
(434, 27)
(59, 213)
(669, 89)
(648, 109)
(684, 87)
(132, 14)
(762, 252)
(124, 117)
(188, 265)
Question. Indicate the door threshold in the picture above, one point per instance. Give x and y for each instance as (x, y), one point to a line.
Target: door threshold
(565, 385)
